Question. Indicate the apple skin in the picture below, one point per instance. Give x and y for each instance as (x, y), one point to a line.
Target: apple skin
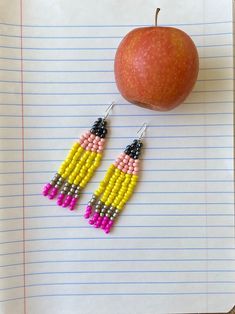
(156, 67)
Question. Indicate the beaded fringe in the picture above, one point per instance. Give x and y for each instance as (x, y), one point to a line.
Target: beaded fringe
(115, 189)
(78, 167)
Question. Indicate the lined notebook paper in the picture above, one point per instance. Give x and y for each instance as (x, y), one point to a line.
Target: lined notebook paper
(172, 250)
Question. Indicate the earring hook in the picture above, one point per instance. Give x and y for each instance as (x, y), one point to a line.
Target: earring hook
(142, 130)
(107, 111)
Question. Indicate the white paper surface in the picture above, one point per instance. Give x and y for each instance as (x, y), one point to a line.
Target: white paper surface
(172, 250)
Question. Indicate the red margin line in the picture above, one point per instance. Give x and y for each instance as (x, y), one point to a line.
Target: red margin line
(22, 143)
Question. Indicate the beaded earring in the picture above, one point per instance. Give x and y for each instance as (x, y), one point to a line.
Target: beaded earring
(79, 166)
(116, 188)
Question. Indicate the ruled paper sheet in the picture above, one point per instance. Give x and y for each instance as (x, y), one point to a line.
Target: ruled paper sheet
(172, 250)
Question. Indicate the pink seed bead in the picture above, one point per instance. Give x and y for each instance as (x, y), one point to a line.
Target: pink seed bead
(127, 157)
(73, 203)
(125, 161)
(104, 222)
(134, 172)
(93, 149)
(83, 145)
(98, 222)
(115, 164)
(136, 169)
(86, 142)
(97, 138)
(95, 146)
(119, 167)
(67, 201)
(102, 140)
(129, 172)
(121, 164)
(131, 168)
(99, 150)
(90, 145)
(90, 140)
(87, 134)
(124, 170)
(92, 136)
(126, 167)
(46, 189)
(60, 199)
(53, 193)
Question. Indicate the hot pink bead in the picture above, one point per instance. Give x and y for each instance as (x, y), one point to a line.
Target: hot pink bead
(98, 222)
(73, 203)
(53, 193)
(108, 226)
(67, 201)
(94, 219)
(46, 189)
(105, 222)
(88, 212)
(60, 199)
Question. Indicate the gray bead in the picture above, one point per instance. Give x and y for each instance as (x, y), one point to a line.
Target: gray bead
(97, 210)
(74, 186)
(102, 214)
(70, 193)
(61, 179)
(76, 196)
(117, 211)
(115, 215)
(103, 210)
(109, 211)
(107, 215)
(112, 218)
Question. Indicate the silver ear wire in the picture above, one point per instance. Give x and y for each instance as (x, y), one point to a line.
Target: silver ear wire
(107, 111)
(142, 130)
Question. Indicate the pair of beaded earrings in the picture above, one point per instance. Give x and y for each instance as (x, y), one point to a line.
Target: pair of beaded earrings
(78, 168)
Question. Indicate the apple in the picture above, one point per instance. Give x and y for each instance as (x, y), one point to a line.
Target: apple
(156, 67)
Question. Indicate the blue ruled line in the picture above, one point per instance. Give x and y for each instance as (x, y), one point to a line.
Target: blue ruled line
(109, 25)
(119, 283)
(102, 37)
(118, 294)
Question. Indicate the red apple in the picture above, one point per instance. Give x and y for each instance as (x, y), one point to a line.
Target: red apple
(156, 67)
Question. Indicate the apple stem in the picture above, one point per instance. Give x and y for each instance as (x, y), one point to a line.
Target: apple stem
(156, 15)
